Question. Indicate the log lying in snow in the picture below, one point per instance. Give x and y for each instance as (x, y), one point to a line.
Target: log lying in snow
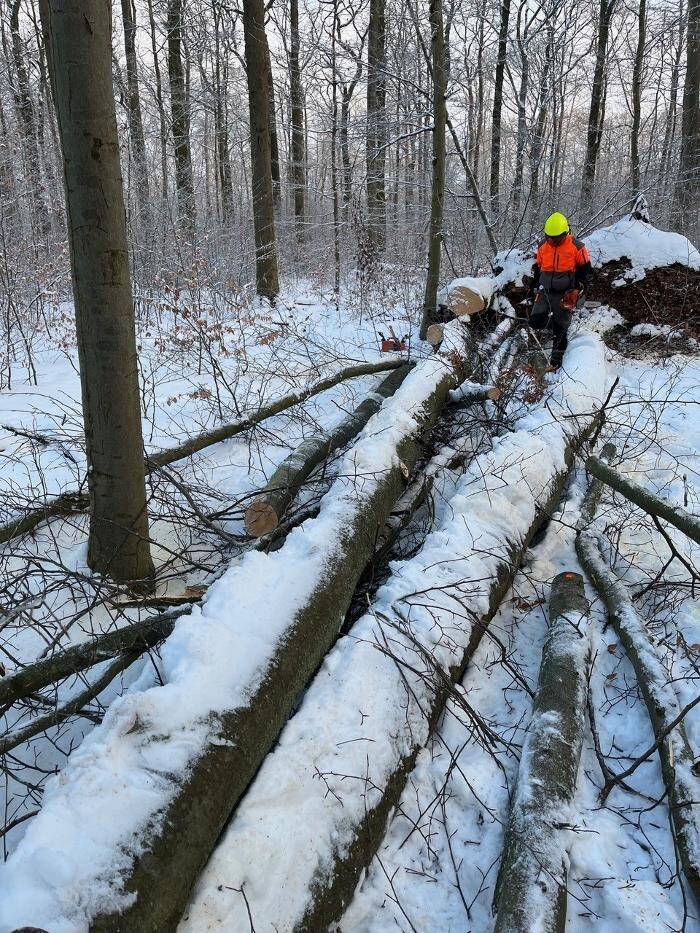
(264, 513)
(344, 759)
(260, 635)
(675, 751)
(654, 505)
(531, 888)
(72, 502)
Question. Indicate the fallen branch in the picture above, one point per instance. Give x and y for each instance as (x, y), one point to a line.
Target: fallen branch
(75, 502)
(675, 751)
(531, 889)
(650, 503)
(71, 708)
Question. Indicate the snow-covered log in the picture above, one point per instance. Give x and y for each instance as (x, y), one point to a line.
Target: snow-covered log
(343, 760)
(531, 888)
(265, 511)
(650, 503)
(72, 502)
(675, 751)
(174, 759)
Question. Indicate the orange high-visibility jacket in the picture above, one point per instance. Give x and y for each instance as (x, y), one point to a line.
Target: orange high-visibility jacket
(563, 266)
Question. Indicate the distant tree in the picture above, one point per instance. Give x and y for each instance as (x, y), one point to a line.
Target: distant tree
(180, 111)
(78, 36)
(257, 58)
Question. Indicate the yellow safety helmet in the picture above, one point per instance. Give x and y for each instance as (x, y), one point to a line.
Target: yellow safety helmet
(556, 224)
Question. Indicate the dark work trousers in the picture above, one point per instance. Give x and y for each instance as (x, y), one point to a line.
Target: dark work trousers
(548, 314)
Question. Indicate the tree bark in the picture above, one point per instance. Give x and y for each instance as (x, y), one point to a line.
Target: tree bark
(531, 889)
(376, 125)
(498, 108)
(78, 39)
(296, 101)
(438, 187)
(654, 505)
(637, 101)
(274, 143)
(221, 119)
(594, 133)
(688, 188)
(180, 111)
(257, 56)
(138, 145)
(265, 512)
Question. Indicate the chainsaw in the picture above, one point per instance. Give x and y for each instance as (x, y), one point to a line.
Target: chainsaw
(393, 344)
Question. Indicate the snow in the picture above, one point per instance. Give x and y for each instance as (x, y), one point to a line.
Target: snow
(356, 723)
(643, 245)
(211, 663)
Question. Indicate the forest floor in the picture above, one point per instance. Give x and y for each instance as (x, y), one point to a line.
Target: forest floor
(207, 359)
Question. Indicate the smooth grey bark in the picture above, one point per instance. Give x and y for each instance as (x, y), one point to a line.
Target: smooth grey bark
(531, 889)
(496, 114)
(274, 142)
(180, 112)
(133, 109)
(257, 66)
(376, 125)
(439, 71)
(265, 512)
(596, 114)
(223, 157)
(78, 37)
(654, 505)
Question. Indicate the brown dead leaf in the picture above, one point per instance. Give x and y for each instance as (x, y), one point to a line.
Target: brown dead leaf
(612, 648)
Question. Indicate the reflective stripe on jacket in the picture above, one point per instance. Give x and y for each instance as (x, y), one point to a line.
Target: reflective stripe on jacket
(558, 265)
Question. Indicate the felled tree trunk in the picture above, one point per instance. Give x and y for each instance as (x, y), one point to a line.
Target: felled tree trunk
(265, 512)
(162, 877)
(531, 888)
(675, 752)
(654, 505)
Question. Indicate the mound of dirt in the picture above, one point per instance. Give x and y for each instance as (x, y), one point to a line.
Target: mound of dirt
(669, 295)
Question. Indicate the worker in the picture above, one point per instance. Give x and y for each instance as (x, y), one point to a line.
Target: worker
(561, 273)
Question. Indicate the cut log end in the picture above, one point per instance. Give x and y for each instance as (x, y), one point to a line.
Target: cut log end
(494, 394)
(464, 302)
(434, 335)
(260, 518)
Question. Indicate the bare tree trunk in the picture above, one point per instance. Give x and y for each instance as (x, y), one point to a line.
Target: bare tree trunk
(376, 124)
(221, 121)
(498, 108)
(671, 119)
(274, 144)
(179, 105)
(78, 37)
(688, 188)
(26, 119)
(138, 146)
(438, 192)
(161, 106)
(334, 155)
(296, 101)
(594, 133)
(537, 147)
(637, 101)
(257, 61)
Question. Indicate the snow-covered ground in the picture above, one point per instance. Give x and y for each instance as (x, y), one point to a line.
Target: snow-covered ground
(437, 864)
